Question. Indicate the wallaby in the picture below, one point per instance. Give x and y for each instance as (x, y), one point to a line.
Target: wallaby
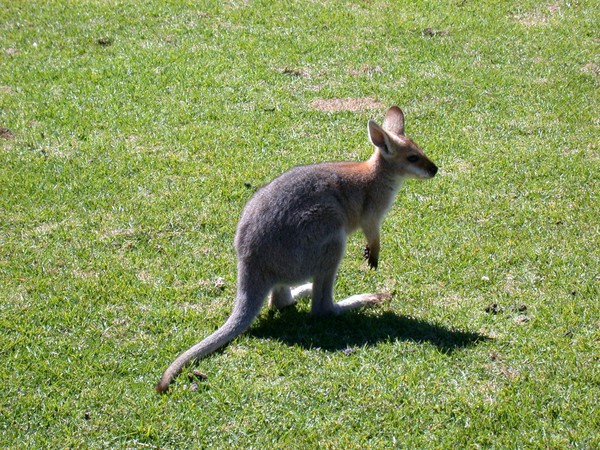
(294, 230)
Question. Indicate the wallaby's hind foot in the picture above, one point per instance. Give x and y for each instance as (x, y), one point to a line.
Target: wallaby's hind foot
(303, 291)
(360, 301)
(282, 297)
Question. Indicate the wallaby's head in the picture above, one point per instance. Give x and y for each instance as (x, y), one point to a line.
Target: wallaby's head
(404, 157)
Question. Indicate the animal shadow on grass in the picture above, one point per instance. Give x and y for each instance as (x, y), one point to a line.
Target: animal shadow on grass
(357, 329)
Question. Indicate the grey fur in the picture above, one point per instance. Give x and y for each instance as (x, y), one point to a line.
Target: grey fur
(295, 228)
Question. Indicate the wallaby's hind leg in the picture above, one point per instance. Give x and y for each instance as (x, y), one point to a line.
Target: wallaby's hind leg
(281, 297)
(322, 296)
(322, 302)
(302, 291)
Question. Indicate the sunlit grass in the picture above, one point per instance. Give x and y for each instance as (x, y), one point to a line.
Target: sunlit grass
(133, 134)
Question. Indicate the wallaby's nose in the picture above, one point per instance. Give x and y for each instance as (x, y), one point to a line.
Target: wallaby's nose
(433, 170)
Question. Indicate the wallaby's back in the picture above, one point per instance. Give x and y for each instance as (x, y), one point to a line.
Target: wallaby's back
(288, 224)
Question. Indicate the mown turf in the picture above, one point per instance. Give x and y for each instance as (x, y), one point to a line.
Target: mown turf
(133, 134)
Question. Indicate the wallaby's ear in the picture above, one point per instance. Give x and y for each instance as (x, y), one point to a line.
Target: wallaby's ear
(394, 121)
(378, 137)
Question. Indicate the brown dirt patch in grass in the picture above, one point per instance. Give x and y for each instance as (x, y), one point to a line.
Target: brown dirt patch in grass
(540, 17)
(347, 104)
(5, 133)
(591, 69)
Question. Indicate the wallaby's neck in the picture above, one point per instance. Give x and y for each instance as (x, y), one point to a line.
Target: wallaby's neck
(382, 172)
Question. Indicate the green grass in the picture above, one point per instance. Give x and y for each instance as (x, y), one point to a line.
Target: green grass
(136, 131)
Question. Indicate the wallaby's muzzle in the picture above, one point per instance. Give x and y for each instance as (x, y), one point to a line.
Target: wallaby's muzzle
(433, 170)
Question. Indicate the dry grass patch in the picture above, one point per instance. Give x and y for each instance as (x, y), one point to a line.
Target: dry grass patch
(348, 104)
(5, 133)
(538, 18)
(592, 69)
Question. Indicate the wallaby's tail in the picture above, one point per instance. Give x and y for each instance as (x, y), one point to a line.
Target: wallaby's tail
(241, 318)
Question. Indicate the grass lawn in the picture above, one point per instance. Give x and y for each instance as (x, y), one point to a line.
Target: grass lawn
(133, 133)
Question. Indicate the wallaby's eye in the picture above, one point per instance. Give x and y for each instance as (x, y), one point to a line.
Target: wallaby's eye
(413, 158)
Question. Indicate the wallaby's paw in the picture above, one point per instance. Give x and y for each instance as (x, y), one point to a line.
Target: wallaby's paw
(371, 259)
